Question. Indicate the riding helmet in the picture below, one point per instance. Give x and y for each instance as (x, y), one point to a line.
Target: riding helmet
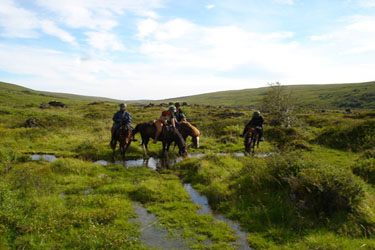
(173, 109)
(256, 114)
(121, 105)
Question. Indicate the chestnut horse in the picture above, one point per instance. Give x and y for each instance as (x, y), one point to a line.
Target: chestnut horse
(251, 139)
(168, 135)
(186, 129)
(124, 137)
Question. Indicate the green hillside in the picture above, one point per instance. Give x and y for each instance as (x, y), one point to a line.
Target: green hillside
(12, 88)
(357, 95)
(309, 186)
(328, 96)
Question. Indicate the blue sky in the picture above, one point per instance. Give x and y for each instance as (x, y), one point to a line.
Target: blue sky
(154, 49)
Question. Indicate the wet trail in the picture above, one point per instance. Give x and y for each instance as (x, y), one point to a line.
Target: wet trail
(151, 234)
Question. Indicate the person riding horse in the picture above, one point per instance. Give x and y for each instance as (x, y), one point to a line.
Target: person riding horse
(121, 117)
(166, 117)
(256, 122)
(180, 116)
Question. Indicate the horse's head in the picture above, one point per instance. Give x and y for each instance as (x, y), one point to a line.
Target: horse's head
(196, 141)
(179, 140)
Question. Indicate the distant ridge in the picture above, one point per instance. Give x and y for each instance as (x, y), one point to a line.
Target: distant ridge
(14, 87)
(347, 95)
(327, 96)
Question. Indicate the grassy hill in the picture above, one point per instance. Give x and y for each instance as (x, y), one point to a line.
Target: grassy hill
(13, 88)
(328, 96)
(357, 95)
(310, 186)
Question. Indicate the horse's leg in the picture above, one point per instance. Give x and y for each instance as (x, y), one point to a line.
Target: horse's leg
(163, 151)
(253, 138)
(126, 146)
(145, 144)
(114, 150)
(169, 144)
(247, 145)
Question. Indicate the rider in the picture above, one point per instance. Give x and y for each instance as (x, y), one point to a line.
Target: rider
(121, 117)
(256, 122)
(180, 116)
(166, 117)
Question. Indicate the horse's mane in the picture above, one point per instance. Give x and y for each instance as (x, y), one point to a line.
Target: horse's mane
(194, 130)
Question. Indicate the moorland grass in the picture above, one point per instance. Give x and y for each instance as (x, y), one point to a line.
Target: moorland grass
(309, 195)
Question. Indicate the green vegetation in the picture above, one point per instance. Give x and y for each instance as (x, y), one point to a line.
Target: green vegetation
(310, 186)
(359, 95)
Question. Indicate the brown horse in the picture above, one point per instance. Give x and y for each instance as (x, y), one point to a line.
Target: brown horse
(124, 136)
(251, 139)
(186, 129)
(167, 136)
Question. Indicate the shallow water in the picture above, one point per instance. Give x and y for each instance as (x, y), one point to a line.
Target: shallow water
(206, 209)
(48, 158)
(152, 235)
(158, 163)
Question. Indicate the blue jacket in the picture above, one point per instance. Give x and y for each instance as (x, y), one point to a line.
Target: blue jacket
(121, 117)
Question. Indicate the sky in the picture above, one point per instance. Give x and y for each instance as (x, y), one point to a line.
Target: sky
(156, 49)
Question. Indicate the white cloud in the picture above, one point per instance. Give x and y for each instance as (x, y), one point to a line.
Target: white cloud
(367, 3)
(96, 14)
(358, 36)
(22, 23)
(104, 41)
(288, 2)
(50, 28)
(17, 22)
(210, 6)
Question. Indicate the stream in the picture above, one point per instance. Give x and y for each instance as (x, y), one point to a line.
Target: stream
(152, 235)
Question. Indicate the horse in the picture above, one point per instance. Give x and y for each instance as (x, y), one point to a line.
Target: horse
(168, 135)
(251, 138)
(124, 136)
(186, 129)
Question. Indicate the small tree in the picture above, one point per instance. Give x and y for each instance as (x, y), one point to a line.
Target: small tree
(279, 105)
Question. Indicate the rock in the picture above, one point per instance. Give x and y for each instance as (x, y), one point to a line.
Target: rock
(44, 106)
(57, 104)
(230, 115)
(31, 123)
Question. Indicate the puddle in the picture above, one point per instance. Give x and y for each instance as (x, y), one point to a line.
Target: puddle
(206, 209)
(151, 234)
(49, 158)
(152, 163)
(158, 163)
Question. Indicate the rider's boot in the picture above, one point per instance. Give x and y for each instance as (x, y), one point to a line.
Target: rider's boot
(156, 137)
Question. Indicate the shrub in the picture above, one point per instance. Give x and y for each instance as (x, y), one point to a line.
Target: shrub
(327, 190)
(88, 151)
(72, 166)
(357, 137)
(365, 169)
(31, 176)
(286, 138)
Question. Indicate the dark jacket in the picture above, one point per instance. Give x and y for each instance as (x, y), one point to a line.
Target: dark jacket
(254, 123)
(121, 117)
(179, 115)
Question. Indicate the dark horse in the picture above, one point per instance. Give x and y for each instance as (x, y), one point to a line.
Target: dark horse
(186, 129)
(167, 136)
(124, 136)
(251, 138)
